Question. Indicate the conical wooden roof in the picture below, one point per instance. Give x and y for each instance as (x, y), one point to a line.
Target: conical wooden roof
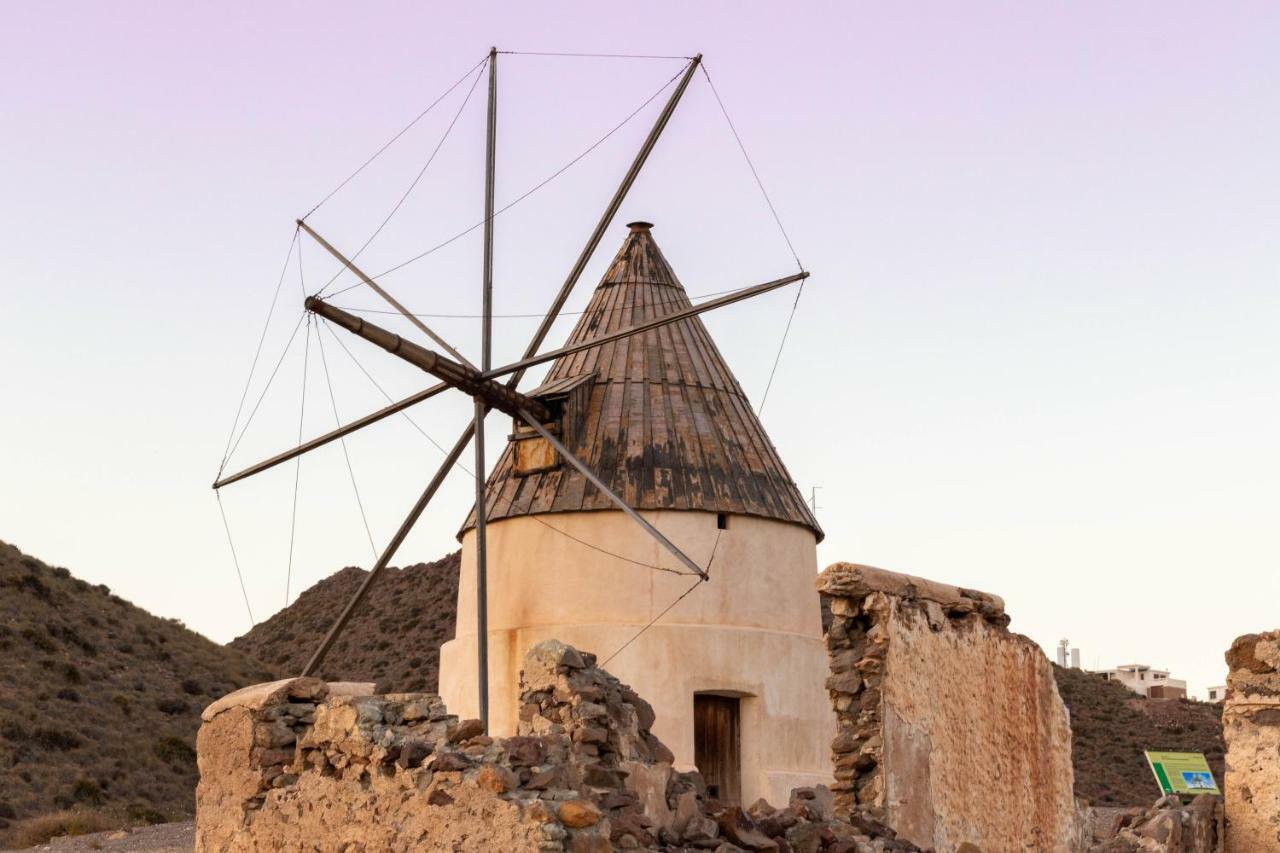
(665, 425)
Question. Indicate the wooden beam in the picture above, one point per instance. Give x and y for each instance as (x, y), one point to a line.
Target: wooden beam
(463, 377)
(391, 300)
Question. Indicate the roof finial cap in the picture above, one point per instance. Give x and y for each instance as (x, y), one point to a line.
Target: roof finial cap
(637, 227)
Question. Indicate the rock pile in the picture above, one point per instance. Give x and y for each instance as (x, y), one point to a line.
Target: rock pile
(1170, 826)
(296, 764)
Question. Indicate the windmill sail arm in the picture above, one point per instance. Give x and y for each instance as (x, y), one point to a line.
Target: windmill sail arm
(664, 320)
(514, 368)
(333, 435)
(592, 478)
(460, 376)
(571, 281)
(378, 289)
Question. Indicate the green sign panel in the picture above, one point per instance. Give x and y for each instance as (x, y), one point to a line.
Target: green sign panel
(1182, 772)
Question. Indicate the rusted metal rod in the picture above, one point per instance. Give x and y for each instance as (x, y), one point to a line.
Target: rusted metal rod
(459, 376)
(619, 502)
(664, 320)
(609, 212)
(391, 300)
(389, 552)
(333, 435)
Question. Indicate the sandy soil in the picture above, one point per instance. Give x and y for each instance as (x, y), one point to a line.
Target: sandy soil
(161, 838)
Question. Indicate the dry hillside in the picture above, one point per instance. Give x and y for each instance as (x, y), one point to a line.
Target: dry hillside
(1112, 726)
(393, 639)
(99, 700)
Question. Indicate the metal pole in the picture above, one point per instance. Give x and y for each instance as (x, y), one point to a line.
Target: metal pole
(609, 212)
(486, 357)
(388, 552)
(524, 364)
(391, 300)
(333, 435)
(619, 502)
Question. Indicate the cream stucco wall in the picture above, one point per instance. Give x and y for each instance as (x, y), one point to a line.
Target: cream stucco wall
(754, 630)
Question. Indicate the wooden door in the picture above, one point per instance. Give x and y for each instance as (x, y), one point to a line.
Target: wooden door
(717, 745)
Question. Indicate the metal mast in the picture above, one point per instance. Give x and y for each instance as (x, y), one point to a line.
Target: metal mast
(486, 358)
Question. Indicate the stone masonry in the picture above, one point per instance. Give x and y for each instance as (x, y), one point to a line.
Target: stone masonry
(949, 727)
(300, 765)
(1251, 728)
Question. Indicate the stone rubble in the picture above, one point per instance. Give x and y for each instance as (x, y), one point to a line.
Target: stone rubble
(1169, 826)
(584, 773)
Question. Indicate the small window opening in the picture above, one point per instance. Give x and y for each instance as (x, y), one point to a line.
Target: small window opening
(722, 521)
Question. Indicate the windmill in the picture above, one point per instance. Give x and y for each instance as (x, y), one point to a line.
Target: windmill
(497, 387)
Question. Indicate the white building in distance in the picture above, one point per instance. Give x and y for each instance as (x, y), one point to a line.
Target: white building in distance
(1147, 681)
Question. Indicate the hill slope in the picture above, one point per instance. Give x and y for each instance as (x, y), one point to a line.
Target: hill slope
(413, 608)
(1111, 727)
(99, 700)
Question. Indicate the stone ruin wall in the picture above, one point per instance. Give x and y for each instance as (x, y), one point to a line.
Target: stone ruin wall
(300, 765)
(949, 726)
(1251, 728)
(951, 736)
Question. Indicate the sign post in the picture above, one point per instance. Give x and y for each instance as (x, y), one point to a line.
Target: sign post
(1182, 773)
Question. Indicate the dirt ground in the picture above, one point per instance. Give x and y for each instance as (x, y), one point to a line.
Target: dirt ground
(161, 838)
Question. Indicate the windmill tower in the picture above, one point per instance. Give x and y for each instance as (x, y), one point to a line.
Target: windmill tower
(639, 439)
(734, 670)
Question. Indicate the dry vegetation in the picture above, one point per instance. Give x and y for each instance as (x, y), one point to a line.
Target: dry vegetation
(1111, 727)
(99, 703)
(394, 638)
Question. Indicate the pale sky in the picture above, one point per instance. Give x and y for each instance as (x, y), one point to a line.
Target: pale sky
(1037, 355)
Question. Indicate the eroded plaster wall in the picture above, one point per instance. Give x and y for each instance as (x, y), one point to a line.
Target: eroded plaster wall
(950, 727)
(754, 630)
(1251, 728)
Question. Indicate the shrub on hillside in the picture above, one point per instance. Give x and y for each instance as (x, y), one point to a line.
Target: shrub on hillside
(40, 830)
(142, 813)
(57, 739)
(175, 750)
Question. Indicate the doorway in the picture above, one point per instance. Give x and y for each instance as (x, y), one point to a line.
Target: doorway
(717, 745)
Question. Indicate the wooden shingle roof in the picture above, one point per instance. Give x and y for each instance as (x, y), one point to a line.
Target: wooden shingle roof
(665, 424)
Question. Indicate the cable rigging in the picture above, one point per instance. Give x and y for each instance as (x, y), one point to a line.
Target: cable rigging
(393, 139)
(521, 197)
(479, 72)
(764, 398)
(297, 470)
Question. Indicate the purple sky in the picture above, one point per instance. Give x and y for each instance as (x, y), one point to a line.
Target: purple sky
(1037, 356)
